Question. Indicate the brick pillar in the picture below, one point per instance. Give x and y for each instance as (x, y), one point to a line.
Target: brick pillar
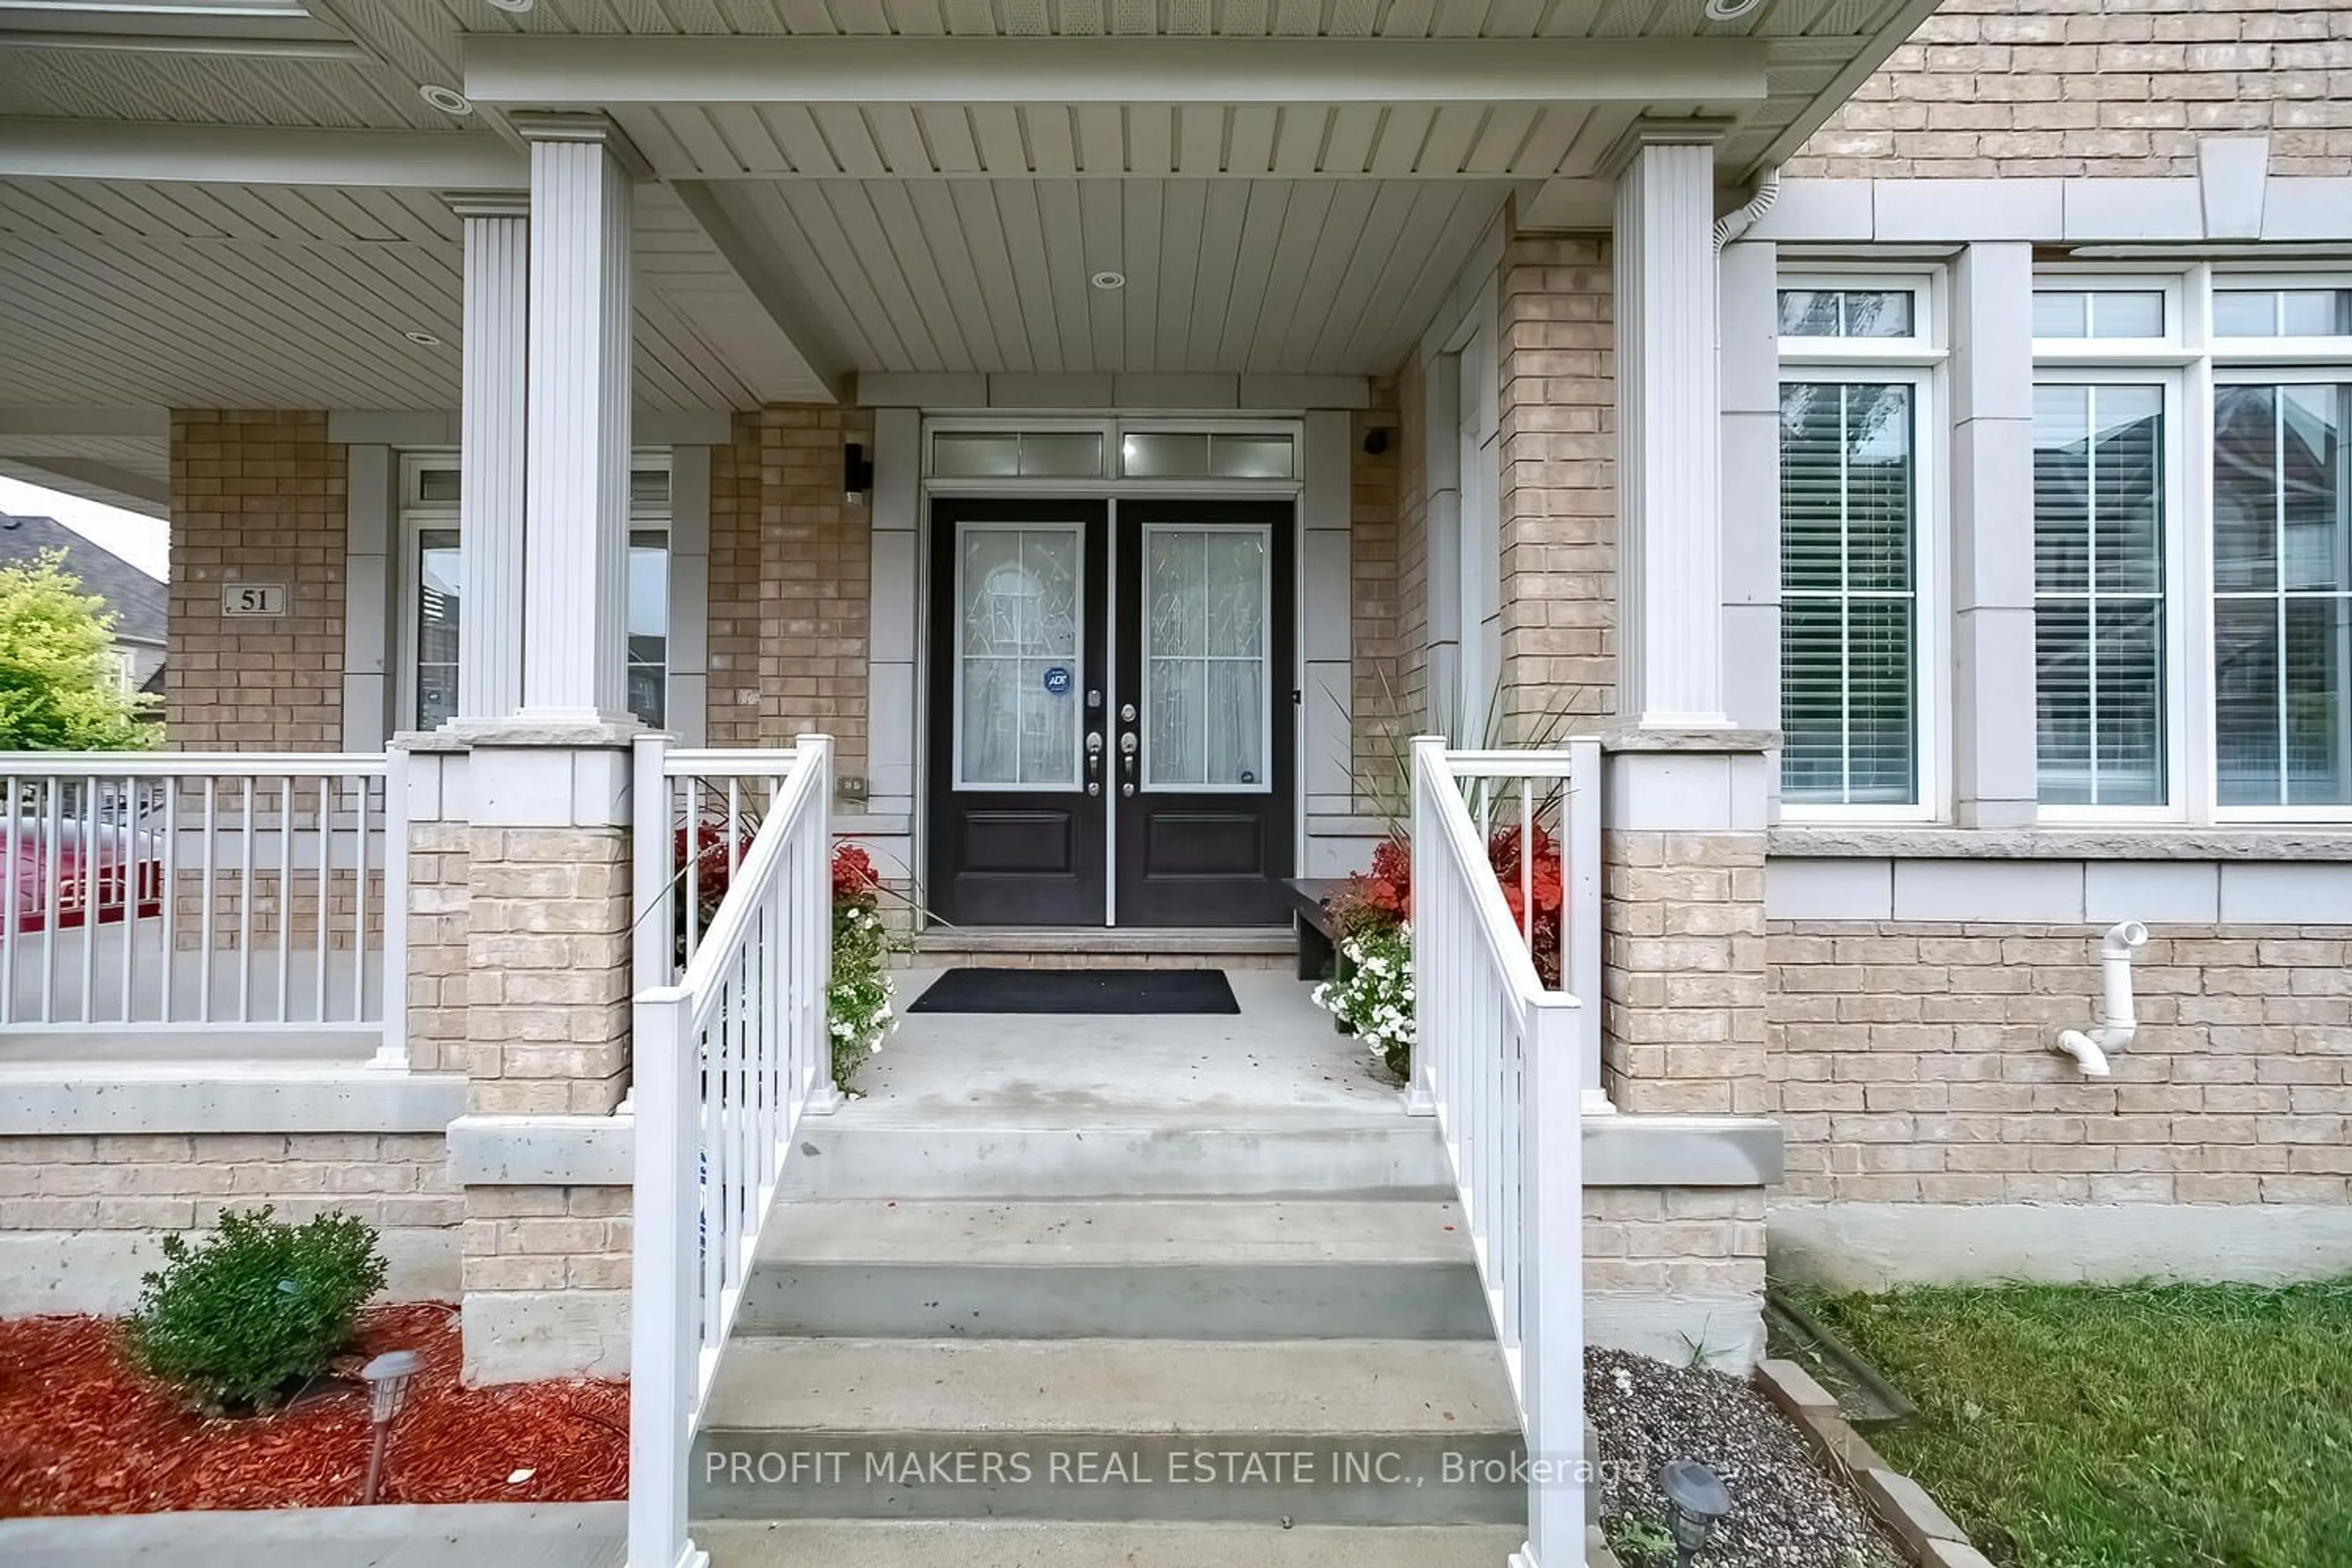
(547, 986)
(1683, 966)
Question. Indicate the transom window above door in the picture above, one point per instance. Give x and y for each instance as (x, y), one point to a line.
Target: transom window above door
(962, 451)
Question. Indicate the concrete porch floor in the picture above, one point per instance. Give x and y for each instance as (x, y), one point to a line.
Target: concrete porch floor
(1279, 1055)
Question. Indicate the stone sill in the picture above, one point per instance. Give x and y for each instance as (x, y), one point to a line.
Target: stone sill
(56, 1099)
(2155, 842)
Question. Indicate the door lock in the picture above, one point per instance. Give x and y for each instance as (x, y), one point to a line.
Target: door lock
(1127, 712)
(1094, 755)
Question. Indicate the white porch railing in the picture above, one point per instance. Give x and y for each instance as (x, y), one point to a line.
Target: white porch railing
(1498, 1059)
(696, 812)
(236, 891)
(726, 1062)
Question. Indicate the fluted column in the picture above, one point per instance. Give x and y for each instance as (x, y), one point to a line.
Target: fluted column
(492, 425)
(1669, 444)
(575, 546)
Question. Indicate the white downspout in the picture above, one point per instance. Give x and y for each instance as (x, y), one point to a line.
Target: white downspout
(1732, 225)
(2117, 1022)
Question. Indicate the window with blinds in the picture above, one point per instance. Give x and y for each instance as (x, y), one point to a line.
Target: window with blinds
(2099, 594)
(2283, 592)
(1849, 592)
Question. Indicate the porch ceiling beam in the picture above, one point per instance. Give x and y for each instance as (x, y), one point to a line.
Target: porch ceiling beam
(522, 69)
(94, 480)
(256, 155)
(787, 303)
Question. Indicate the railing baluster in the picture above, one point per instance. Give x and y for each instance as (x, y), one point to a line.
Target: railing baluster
(129, 862)
(53, 899)
(93, 890)
(204, 909)
(285, 898)
(171, 898)
(326, 864)
(244, 906)
(360, 896)
(14, 915)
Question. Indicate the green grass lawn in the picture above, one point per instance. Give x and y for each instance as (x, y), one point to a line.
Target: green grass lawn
(2140, 1427)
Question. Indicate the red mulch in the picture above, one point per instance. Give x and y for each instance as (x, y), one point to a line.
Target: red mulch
(82, 1431)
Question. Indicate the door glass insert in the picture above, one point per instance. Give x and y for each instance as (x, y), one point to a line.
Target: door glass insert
(438, 596)
(1204, 657)
(1017, 676)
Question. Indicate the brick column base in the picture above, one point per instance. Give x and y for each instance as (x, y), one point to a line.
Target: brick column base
(1683, 971)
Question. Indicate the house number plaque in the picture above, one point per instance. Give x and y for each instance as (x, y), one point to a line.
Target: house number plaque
(253, 599)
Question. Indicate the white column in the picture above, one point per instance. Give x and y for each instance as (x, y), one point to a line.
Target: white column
(1750, 367)
(1670, 555)
(576, 504)
(491, 432)
(1996, 772)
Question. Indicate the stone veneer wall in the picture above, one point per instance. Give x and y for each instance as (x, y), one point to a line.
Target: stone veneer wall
(258, 496)
(1662, 1263)
(1911, 1064)
(81, 1214)
(1682, 958)
(733, 624)
(1413, 543)
(1988, 87)
(548, 969)
(1559, 509)
(815, 581)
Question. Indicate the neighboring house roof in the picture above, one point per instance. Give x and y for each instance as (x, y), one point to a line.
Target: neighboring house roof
(140, 603)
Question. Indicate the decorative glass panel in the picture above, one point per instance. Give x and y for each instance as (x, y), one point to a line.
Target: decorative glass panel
(648, 670)
(1018, 586)
(2282, 312)
(1165, 455)
(2282, 594)
(2098, 572)
(975, 455)
(2098, 313)
(440, 588)
(1205, 654)
(1848, 655)
(1846, 313)
(438, 486)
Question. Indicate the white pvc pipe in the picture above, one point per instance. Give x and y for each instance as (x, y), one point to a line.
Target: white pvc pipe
(2119, 1021)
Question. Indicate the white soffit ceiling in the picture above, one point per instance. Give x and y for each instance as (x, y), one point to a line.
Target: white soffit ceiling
(116, 293)
(1261, 276)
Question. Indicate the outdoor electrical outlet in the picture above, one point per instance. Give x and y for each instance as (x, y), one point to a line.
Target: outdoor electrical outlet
(850, 786)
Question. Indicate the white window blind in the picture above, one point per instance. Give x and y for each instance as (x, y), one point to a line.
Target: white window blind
(2099, 594)
(2282, 594)
(1849, 639)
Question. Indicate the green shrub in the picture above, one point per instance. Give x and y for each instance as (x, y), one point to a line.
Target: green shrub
(241, 1319)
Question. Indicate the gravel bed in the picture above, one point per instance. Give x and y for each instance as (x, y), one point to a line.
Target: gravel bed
(1786, 1512)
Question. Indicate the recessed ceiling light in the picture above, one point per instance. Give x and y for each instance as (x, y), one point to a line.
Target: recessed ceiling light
(1108, 279)
(423, 340)
(517, 6)
(448, 99)
(1730, 10)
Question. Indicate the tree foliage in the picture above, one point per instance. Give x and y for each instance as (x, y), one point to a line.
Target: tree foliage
(57, 690)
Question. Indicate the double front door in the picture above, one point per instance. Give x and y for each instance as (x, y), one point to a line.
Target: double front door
(1112, 712)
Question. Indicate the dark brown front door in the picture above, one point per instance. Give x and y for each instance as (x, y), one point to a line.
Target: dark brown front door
(1206, 728)
(1018, 681)
(1065, 770)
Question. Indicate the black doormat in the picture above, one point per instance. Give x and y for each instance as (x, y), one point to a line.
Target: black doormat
(1078, 991)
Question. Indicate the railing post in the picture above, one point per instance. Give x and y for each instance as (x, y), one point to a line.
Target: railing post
(665, 1332)
(650, 871)
(1552, 1321)
(816, 908)
(1581, 958)
(1428, 769)
(392, 1051)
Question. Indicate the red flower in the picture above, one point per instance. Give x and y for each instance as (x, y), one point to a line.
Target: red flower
(853, 872)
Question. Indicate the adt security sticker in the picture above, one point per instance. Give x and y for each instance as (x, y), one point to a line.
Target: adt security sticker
(1057, 681)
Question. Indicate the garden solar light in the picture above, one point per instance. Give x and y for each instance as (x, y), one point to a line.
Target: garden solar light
(1696, 1504)
(387, 1379)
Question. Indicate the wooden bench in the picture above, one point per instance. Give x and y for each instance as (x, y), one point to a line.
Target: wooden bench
(1310, 917)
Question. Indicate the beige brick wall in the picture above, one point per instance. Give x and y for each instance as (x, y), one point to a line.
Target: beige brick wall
(816, 580)
(1413, 543)
(1990, 87)
(1674, 1241)
(547, 1238)
(1375, 743)
(438, 856)
(1558, 513)
(258, 496)
(548, 956)
(1911, 1064)
(733, 718)
(1683, 972)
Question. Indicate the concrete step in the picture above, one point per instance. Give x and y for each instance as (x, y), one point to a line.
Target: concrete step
(1356, 1432)
(1006, 1543)
(1082, 1150)
(1184, 1269)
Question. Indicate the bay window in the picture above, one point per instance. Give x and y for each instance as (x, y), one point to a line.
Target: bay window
(434, 588)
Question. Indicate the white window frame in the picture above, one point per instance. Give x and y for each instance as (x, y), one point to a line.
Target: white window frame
(2178, 616)
(1264, 532)
(1075, 783)
(1918, 362)
(416, 516)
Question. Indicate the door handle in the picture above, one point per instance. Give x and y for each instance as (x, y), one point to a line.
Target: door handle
(1094, 752)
